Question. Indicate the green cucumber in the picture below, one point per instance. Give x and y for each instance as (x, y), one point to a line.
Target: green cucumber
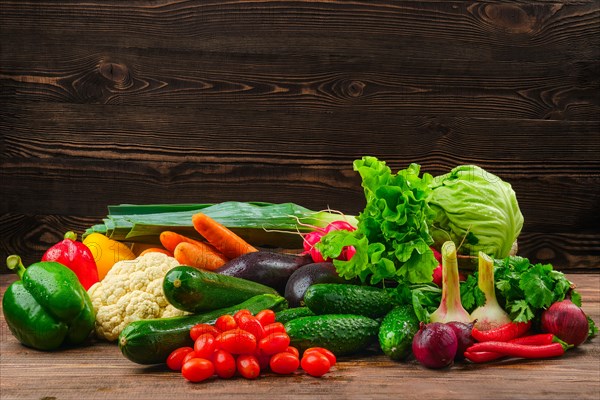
(342, 334)
(289, 314)
(397, 331)
(340, 298)
(151, 341)
(194, 290)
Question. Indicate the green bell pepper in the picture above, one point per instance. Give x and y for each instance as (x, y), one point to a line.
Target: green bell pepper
(47, 306)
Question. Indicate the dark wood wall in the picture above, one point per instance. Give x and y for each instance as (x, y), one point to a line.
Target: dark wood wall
(106, 102)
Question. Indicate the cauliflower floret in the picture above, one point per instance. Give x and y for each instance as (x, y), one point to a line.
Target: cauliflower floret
(132, 290)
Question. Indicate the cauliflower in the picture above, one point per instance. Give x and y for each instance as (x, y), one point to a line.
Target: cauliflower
(132, 290)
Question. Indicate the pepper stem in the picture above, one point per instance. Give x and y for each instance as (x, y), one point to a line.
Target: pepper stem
(14, 263)
(71, 235)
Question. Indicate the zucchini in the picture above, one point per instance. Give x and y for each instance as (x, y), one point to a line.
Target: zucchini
(194, 290)
(335, 298)
(289, 314)
(340, 333)
(151, 341)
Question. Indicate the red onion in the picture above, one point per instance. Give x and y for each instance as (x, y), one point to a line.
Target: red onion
(566, 321)
(435, 345)
(463, 336)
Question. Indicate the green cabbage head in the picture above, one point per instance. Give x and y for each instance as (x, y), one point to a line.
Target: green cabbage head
(476, 208)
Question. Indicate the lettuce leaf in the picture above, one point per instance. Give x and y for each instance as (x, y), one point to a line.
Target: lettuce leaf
(392, 240)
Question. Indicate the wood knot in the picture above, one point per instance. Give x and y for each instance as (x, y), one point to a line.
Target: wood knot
(355, 88)
(510, 18)
(117, 73)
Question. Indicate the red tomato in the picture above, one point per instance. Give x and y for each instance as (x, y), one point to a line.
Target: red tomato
(315, 364)
(251, 324)
(274, 327)
(225, 323)
(175, 359)
(293, 350)
(330, 356)
(266, 317)
(197, 370)
(189, 356)
(238, 314)
(284, 363)
(248, 366)
(200, 329)
(274, 343)
(237, 341)
(204, 346)
(224, 364)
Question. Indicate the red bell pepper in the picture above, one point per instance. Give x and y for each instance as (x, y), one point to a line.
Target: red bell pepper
(76, 256)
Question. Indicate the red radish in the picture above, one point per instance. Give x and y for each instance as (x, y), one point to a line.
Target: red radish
(339, 226)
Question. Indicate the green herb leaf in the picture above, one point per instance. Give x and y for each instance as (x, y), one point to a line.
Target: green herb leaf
(392, 229)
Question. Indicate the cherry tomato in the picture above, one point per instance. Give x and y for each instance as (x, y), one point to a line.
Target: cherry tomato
(238, 314)
(293, 350)
(197, 370)
(284, 363)
(200, 329)
(248, 366)
(224, 364)
(189, 356)
(251, 324)
(274, 327)
(315, 364)
(274, 343)
(225, 323)
(266, 317)
(175, 359)
(204, 346)
(327, 353)
(237, 341)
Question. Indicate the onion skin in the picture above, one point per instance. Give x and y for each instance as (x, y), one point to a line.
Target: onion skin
(435, 345)
(464, 339)
(566, 321)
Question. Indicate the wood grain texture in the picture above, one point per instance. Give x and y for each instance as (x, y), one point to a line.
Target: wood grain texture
(193, 101)
(99, 371)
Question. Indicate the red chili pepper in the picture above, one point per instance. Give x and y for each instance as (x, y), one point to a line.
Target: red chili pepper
(519, 350)
(504, 333)
(77, 257)
(482, 356)
(537, 340)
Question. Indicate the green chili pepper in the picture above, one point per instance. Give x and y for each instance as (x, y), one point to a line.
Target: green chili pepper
(47, 306)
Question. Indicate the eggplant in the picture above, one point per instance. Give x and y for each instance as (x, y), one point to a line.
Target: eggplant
(268, 268)
(303, 277)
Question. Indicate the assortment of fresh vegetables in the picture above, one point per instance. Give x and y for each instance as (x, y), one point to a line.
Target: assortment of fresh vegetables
(204, 299)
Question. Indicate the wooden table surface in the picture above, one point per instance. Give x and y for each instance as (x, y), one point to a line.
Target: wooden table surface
(99, 371)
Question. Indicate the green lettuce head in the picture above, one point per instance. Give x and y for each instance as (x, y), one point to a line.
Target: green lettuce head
(476, 208)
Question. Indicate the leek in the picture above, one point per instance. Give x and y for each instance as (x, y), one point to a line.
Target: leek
(257, 222)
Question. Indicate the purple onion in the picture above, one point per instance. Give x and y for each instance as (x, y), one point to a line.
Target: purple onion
(435, 345)
(463, 336)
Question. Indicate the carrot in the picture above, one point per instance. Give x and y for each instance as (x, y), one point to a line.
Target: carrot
(156, 250)
(227, 242)
(199, 255)
(170, 240)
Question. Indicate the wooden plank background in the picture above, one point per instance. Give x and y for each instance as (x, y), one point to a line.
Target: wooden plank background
(113, 102)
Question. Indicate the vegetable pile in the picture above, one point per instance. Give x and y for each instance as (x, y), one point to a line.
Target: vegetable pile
(426, 271)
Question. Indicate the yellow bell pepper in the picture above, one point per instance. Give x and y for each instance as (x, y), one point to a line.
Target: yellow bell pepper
(106, 252)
